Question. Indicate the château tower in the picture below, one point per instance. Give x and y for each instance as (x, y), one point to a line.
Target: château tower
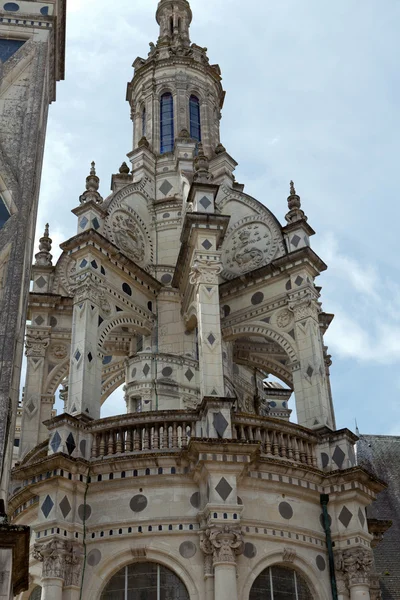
(32, 45)
(190, 292)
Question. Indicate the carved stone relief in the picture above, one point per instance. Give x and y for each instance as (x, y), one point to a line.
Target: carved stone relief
(128, 235)
(61, 559)
(353, 567)
(224, 543)
(250, 244)
(36, 343)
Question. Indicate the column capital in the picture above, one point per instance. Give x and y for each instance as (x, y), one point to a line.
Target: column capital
(36, 342)
(223, 543)
(61, 560)
(353, 566)
(87, 288)
(205, 271)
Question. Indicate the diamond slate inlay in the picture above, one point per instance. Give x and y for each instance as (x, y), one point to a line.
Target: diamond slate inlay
(56, 441)
(296, 240)
(39, 320)
(146, 370)
(345, 516)
(65, 507)
(70, 443)
(220, 424)
(338, 457)
(211, 339)
(95, 223)
(205, 202)
(299, 280)
(77, 355)
(310, 371)
(41, 282)
(223, 489)
(47, 506)
(207, 244)
(165, 187)
(189, 375)
(83, 223)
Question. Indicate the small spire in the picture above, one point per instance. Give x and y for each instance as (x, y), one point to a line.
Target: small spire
(294, 203)
(92, 186)
(124, 169)
(44, 257)
(201, 167)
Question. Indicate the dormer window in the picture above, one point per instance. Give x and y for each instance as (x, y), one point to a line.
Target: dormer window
(194, 112)
(167, 123)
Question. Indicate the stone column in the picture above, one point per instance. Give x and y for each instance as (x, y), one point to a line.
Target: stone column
(311, 389)
(226, 543)
(353, 570)
(36, 347)
(204, 275)
(84, 387)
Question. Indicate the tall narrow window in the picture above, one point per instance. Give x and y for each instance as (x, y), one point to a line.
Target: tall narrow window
(194, 110)
(167, 123)
(171, 26)
(143, 122)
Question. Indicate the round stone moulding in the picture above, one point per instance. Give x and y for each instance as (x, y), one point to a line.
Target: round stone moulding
(167, 372)
(94, 557)
(321, 564)
(84, 512)
(250, 550)
(138, 503)
(285, 510)
(11, 6)
(133, 373)
(257, 298)
(187, 549)
(166, 278)
(44, 10)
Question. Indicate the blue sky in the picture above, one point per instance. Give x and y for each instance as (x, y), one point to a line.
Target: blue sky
(312, 95)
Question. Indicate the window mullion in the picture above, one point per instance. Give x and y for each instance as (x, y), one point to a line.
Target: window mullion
(271, 582)
(126, 582)
(158, 583)
(295, 585)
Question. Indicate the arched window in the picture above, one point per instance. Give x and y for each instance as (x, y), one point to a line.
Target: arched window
(194, 111)
(36, 593)
(280, 583)
(144, 122)
(145, 580)
(167, 123)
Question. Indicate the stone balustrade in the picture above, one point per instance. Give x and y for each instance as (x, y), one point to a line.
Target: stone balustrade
(147, 432)
(278, 439)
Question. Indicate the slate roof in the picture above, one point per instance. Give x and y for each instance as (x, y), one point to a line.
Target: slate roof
(381, 455)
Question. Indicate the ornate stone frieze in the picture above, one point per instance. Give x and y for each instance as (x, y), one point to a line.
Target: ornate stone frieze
(353, 566)
(61, 559)
(205, 271)
(225, 543)
(36, 342)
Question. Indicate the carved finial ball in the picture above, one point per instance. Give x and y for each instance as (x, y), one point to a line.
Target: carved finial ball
(124, 169)
(46, 230)
(93, 168)
(292, 189)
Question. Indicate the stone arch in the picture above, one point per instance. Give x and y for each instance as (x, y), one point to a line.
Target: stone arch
(56, 376)
(258, 328)
(274, 368)
(125, 319)
(112, 383)
(299, 564)
(166, 557)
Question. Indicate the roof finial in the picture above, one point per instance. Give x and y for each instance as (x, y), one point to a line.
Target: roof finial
(201, 166)
(44, 257)
(294, 203)
(92, 186)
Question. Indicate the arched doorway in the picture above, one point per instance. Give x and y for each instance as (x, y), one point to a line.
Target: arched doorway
(280, 583)
(145, 581)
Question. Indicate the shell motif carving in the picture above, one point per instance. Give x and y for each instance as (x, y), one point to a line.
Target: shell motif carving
(249, 244)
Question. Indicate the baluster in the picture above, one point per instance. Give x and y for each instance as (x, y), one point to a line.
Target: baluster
(290, 446)
(94, 446)
(184, 436)
(250, 433)
(283, 446)
(193, 429)
(118, 446)
(303, 457)
(129, 441)
(174, 436)
(275, 445)
(136, 439)
(242, 434)
(110, 448)
(156, 437)
(234, 431)
(309, 456)
(268, 445)
(314, 456)
(258, 436)
(296, 450)
(145, 438)
(102, 446)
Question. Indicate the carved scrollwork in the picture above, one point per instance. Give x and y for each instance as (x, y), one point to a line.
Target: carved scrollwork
(36, 342)
(354, 566)
(205, 271)
(226, 543)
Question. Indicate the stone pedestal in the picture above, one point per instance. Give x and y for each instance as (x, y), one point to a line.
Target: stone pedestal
(52, 588)
(360, 592)
(225, 582)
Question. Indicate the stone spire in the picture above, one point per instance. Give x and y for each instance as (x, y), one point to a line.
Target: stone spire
(174, 18)
(92, 186)
(294, 203)
(201, 167)
(44, 257)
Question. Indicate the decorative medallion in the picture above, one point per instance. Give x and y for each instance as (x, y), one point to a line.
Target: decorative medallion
(284, 318)
(59, 351)
(249, 244)
(128, 235)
